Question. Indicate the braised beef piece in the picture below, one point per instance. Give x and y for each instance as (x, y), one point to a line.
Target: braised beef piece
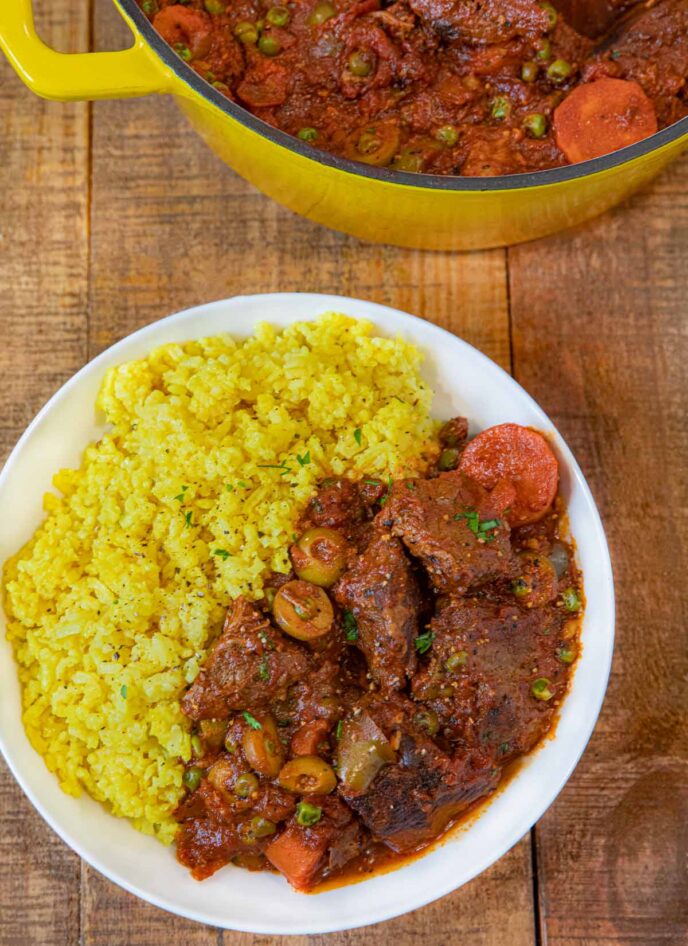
(412, 799)
(381, 592)
(454, 433)
(344, 505)
(250, 664)
(484, 659)
(452, 525)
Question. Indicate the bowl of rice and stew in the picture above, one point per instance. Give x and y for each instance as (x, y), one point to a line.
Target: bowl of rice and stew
(296, 589)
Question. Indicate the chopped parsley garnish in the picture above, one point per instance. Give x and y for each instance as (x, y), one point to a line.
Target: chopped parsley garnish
(482, 530)
(410, 484)
(357, 436)
(243, 484)
(123, 691)
(263, 670)
(187, 518)
(339, 730)
(350, 626)
(223, 554)
(424, 642)
(373, 482)
(180, 498)
(251, 720)
(229, 487)
(303, 460)
(272, 466)
(504, 748)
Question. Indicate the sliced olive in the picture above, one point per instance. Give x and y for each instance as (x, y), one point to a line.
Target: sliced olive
(303, 610)
(360, 63)
(571, 599)
(263, 748)
(308, 775)
(375, 144)
(319, 556)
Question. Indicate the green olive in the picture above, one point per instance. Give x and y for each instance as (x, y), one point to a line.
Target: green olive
(449, 459)
(221, 776)
(535, 125)
(303, 610)
(277, 16)
(448, 135)
(307, 775)
(259, 827)
(529, 71)
(319, 556)
(428, 720)
(269, 45)
(192, 777)
(263, 748)
(321, 14)
(246, 32)
(559, 70)
(360, 64)
(246, 785)
(374, 144)
(455, 661)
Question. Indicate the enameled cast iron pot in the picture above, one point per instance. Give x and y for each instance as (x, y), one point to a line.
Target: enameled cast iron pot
(418, 210)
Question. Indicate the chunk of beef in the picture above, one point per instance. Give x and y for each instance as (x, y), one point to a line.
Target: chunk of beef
(249, 665)
(382, 593)
(483, 21)
(413, 799)
(306, 855)
(451, 524)
(484, 660)
(344, 505)
(454, 433)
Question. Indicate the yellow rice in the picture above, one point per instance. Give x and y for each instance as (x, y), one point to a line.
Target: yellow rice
(190, 498)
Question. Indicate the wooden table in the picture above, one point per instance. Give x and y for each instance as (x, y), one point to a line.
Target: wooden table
(115, 214)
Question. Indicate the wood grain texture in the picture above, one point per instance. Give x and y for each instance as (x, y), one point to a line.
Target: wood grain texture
(43, 290)
(604, 349)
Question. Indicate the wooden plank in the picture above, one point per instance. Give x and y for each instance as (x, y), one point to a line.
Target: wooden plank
(599, 334)
(172, 227)
(43, 275)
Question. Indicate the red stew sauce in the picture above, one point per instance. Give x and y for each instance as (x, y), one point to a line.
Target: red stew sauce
(422, 643)
(461, 87)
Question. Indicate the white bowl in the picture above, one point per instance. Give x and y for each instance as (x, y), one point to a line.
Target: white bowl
(465, 382)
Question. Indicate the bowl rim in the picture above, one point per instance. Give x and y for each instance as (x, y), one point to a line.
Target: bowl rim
(372, 914)
(441, 182)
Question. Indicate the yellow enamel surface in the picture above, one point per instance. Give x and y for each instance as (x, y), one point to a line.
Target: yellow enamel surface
(373, 210)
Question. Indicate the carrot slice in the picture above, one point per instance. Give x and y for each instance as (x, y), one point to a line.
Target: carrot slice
(517, 456)
(603, 116)
(297, 853)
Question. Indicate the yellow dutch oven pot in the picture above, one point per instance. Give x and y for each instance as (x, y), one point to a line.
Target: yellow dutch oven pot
(384, 206)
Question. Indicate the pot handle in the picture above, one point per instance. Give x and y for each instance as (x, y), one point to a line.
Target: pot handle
(75, 76)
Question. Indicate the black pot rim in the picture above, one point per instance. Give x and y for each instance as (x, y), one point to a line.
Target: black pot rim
(560, 175)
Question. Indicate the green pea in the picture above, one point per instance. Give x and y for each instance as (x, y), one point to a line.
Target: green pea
(246, 32)
(544, 50)
(540, 689)
(150, 7)
(307, 134)
(529, 71)
(269, 45)
(214, 6)
(245, 785)
(566, 655)
(360, 64)
(501, 108)
(261, 827)
(456, 661)
(448, 135)
(448, 459)
(321, 14)
(552, 14)
(307, 814)
(278, 16)
(536, 125)
(559, 70)
(192, 777)
(571, 599)
(221, 87)
(408, 161)
(182, 51)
